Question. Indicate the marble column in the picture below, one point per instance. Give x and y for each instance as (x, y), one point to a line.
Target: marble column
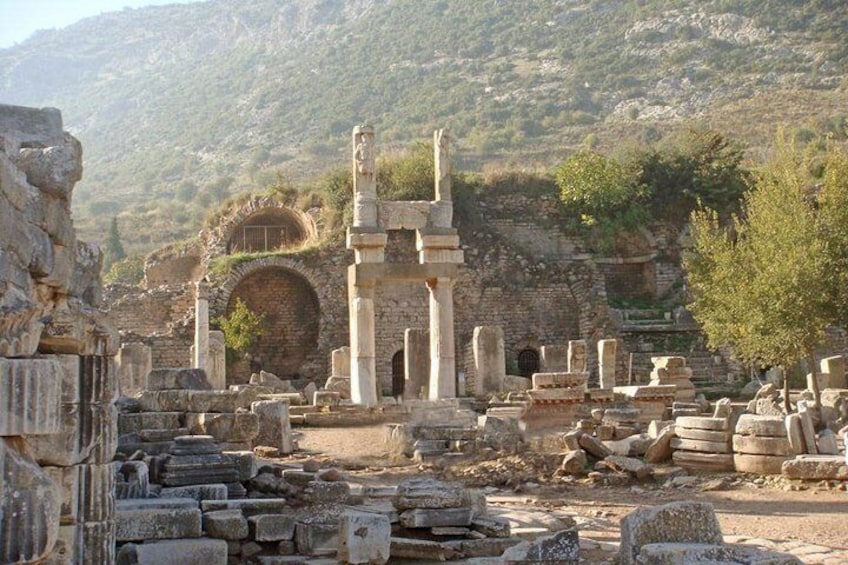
(606, 363)
(416, 359)
(442, 356)
(489, 360)
(363, 366)
(201, 326)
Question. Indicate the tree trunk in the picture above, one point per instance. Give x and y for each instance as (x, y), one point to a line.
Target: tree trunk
(786, 404)
(815, 378)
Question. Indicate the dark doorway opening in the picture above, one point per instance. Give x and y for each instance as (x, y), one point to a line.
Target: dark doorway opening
(528, 362)
(398, 374)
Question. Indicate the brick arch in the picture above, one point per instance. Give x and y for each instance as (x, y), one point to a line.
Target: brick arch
(288, 294)
(218, 237)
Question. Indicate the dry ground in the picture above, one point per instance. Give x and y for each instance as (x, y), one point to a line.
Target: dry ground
(789, 512)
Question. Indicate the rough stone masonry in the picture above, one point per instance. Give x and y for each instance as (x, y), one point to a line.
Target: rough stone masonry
(57, 387)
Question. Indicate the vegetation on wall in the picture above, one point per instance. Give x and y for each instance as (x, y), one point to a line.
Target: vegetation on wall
(242, 328)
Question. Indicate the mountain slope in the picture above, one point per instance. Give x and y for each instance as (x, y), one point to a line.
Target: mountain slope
(190, 101)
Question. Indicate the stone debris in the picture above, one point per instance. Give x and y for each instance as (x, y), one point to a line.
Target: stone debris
(760, 444)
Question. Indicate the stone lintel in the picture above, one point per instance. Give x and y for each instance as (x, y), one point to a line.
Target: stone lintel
(403, 215)
(368, 273)
(358, 237)
(645, 392)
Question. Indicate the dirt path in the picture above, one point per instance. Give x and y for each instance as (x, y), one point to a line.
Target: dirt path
(811, 523)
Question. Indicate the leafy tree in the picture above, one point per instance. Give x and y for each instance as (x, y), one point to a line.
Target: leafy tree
(241, 328)
(408, 176)
(770, 285)
(603, 193)
(113, 249)
(129, 270)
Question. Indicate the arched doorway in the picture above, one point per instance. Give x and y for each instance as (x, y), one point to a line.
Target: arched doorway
(528, 362)
(398, 374)
(291, 313)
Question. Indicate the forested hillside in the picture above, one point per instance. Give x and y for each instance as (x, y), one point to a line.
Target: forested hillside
(178, 106)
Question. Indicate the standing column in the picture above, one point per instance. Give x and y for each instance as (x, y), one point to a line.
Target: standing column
(606, 363)
(442, 208)
(201, 326)
(364, 177)
(442, 358)
(363, 366)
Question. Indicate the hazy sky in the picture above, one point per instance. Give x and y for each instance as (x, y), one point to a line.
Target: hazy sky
(20, 18)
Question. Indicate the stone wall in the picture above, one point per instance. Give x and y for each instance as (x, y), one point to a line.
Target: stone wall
(146, 312)
(57, 378)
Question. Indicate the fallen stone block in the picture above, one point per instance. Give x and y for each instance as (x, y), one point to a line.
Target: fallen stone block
(485, 547)
(574, 462)
(271, 527)
(249, 506)
(660, 450)
(680, 522)
(703, 435)
(325, 492)
(316, 539)
(594, 447)
(756, 445)
(700, 446)
(225, 524)
(695, 461)
(703, 423)
(199, 493)
(30, 397)
(137, 520)
(694, 554)
(429, 493)
(761, 426)
(364, 538)
(404, 548)
(630, 465)
(562, 548)
(435, 517)
(202, 551)
(816, 467)
(238, 427)
(759, 464)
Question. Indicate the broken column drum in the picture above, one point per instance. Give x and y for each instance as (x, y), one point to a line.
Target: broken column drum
(439, 257)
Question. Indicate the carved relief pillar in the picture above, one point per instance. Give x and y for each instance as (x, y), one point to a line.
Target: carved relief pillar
(442, 207)
(442, 356)
(364, 178)
(363, 366)
(201, 326)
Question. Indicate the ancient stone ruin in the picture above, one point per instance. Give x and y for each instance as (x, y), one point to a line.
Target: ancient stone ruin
(148, 447)
(57, 379)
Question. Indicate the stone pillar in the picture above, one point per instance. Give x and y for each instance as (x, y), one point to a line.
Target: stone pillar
(489, 360)
(201, 326)
(364, 177)
(216, 368)
(442, 357)
(442, 207)
(134, 362)
(578, 356)
(553, 359)
(606, 363)
(363, 366)
(274, 425)
(340, 361)
(416, 363)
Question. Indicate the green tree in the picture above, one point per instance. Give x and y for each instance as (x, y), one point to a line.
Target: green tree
(113, 249)
(129, 270)
(242, 327)
(768, 286)
(407, 176)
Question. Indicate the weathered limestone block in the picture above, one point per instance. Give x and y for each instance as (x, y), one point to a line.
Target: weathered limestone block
(758, 464)
(686, 553)
(795, 433)
(430, 493)
(698, 461)
(489, 359)
(238, 427)
(274, 425)
(197, 492)
(316, 538)
(660, 450)
(225, 524)
(30, 506)
(271, 527)
(148, 519)
(703, 423)
(178, 379)
(436, 517)
(763, 426)
(405, 548)
(216, 370)
(132, 480)
(562, 548)
(270, 380)
(701, 445)
(761, 445)
(416, 363)
(133, 362)
(807, 427)
(682, 522)
(202, 551)
(326, 492)
(30, 394)
(96, 494)
(574, 462)
(326, 398)
(221, 401)
(816, 467)
(138, 421)
(364, 537)
(340, 359)
(98, 543)
(249, 507)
